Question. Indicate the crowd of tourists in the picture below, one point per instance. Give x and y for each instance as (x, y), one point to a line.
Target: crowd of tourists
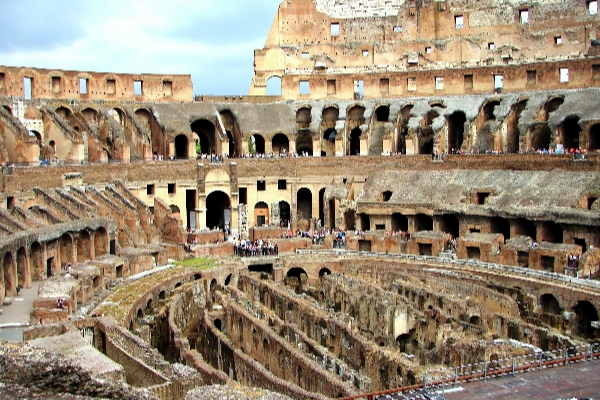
(257, 248)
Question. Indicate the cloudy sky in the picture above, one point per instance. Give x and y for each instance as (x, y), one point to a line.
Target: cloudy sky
(213, 40)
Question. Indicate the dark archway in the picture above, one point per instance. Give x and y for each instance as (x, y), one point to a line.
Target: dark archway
(449, 223)
(322, 206)
(304, 205)
(524, 227)
(540, 136)
(100, 242)
(304, 142)
(403, 119)
(267, 268)
(550, 305)
(570, 132)
(280, 144)
(382, 113)
(550, 106)
(206, 132)
(261, 214)
(218, 210)
(512, 134)
(488, 110)
(423, 223)
(23, 271)
(181, 147)
(594, 138)
(456, 129)
(551, 232)
(585, 314)
(37, 261)
(284, 213)
(303, 118)
(66, 248)
(259, 143)
(500, 225)
(399, 223)
(83, 246)
(324, 271)
(355, 142)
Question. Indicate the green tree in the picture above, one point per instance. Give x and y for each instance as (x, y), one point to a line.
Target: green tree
(251, 148)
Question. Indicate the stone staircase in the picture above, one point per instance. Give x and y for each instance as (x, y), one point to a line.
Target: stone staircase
(448, 255)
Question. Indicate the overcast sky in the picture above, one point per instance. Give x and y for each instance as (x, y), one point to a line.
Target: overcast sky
(213, 40)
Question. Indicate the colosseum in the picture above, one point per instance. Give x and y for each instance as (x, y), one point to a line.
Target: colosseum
(416, 209)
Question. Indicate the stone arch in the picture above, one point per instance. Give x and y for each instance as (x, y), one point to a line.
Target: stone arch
(285, 214)
(423, 223)
(329, 118)
(259, 143)
(569, 132)
(399, 223)
(304, 142)
(218, 208)
(512, 124)
(91, 115)
(100, 242)
(213, 284)
(549, 304)
(322, 206)
(66, 248)
(118, 115)
(206, 132)
(36, 261)
(303, 117)
(261, 214)
(83, 246)
(585, 314)
(324, 271)
(10, 274)
(23, 269)
(181, 147)
(8, 109)
(280, 144)
(233, 132)
(593, 137)
(549, 107)
(304, 207)
(425, 133)
(175, 211)
(64, 112)
(456, 130)
(382, 113)
(551, 232)
(539, 136)
(296, 278)
(227, 280)
(273, 85)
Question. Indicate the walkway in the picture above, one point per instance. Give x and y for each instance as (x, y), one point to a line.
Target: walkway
(16, 316)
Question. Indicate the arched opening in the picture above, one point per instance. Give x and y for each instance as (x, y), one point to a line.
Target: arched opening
(303, 118)
(149, 307)
(399, 223)
(266, 268)
(456, 129)
(304, 142)
(551, 232)
(258, 142)
(197, 277)
(64, 113)
(540, 136)
(475, 320)
(328, 147)
(23, 272)
(423, 223)
(175, 211)
(206, 132)
(83, 246)
(524, 227)
(355, 142)
(8, 109)
(228, 280)
(162, 295)
(570, 131)
(322, 206)
(90, 115)
(594, 138)
(349, 220)
(213, 285)
(585, 314)
(323, 272)
(218, 210)
(365, 222)
(304, 208)
(385, 196)
(181, 147)
(500, 225)
(297, 279)
(403, 341)
(512, 134)
(280, 144)
(218, 324)
(550, 106)
(100, 242)
(10, 278)
(488, 110)
(449, 223)
(118, 115)
(140, 314)
(550, 305)
(66, 248)
(274, 86)
(403, 119)
(233, 132)
(261, 214)
(231, 150)
(37, 135)
(36, 261)
(382, 113)
(284, 214)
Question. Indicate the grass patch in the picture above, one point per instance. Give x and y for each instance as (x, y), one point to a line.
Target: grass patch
(200, 263)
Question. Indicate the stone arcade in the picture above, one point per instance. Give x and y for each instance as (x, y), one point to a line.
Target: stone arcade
(455, 143)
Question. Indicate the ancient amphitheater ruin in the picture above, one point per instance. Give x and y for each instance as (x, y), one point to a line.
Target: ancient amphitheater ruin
(419, 206)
